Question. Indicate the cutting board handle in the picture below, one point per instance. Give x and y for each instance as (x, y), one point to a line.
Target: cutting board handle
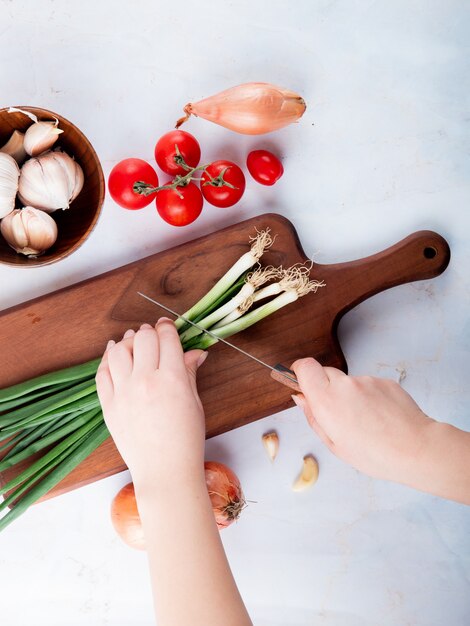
(424, 254)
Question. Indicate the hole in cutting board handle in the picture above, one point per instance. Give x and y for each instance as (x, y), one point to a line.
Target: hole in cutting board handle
(430, 252)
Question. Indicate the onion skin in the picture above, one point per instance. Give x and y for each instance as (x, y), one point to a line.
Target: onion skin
(250, 109)
(225, 494)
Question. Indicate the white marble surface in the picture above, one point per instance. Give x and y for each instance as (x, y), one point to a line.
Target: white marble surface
(382, 151)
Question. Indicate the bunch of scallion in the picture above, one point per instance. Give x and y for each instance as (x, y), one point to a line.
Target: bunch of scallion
(53, 422)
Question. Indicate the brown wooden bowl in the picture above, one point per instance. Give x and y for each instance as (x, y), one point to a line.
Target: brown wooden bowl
(76, 223)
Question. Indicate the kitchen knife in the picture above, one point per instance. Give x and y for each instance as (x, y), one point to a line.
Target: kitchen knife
(280, 373)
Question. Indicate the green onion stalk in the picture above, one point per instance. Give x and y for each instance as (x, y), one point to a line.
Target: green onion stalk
(54, 422)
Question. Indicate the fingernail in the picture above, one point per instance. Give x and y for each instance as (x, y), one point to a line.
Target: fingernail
(145, 326)
(164, 319)
(129, 333)
(297, 400)
(110, 344)
(202, 358)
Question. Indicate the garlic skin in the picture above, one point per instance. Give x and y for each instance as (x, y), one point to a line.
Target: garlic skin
(29, 231)
(9, 175)
(15, 147)
(250, 109)
(50, 181)
(41, 136)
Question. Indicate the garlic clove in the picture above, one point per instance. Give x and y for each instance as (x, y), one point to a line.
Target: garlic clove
(29, 231)
(271, 444)
(50, 181)
(14, 147)
(9, 175)
(41, 136)
(309, 474)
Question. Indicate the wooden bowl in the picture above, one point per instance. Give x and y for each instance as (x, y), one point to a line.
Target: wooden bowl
(76, 223)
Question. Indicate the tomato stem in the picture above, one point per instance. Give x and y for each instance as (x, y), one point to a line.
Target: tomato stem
(179, 159)
(219, 181)
(181, 180)
(144, 189)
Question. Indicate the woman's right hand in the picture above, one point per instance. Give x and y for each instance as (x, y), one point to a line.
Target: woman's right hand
(370, 423)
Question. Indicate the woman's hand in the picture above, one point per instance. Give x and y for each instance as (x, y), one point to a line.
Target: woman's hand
(374, 425)
(147, 389)
(370, 423)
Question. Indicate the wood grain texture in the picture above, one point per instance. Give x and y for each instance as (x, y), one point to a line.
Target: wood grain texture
(76, 223)
(73, 325)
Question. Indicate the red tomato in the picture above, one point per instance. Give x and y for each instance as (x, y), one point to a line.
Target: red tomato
(264, 166)
(165, 151)
(216, 192)
(176, 210)
(121, 181)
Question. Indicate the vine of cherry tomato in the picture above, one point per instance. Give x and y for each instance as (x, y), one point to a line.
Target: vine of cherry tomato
(133, 183)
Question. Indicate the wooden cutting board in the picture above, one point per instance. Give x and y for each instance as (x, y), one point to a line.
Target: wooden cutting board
(72, 325)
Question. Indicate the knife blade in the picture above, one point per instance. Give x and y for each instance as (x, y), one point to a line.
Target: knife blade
(279, 372)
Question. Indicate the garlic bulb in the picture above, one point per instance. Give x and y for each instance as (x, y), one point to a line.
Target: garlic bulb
(9, 174)
(15, 147)
(41, 135)
(50, 181)
(251, 108)
(29, 231)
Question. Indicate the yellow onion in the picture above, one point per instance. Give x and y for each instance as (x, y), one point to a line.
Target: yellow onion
(125, 518)
(250, 109)
(224, 491)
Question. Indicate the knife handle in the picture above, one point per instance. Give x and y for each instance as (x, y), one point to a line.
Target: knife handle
(285, 376)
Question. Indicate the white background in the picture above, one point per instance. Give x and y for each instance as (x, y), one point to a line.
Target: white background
(382, 151)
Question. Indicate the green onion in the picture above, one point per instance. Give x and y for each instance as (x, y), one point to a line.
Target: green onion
(28, 398)
(260, 243)
(28, 436)
(85, 404)
(217, 303)
(52, 437)
(77, 372)
(40, 407)
(39, 474)
(240, 301)
(18, 437)
(247, 320)
(68, 462)
(63, 445)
